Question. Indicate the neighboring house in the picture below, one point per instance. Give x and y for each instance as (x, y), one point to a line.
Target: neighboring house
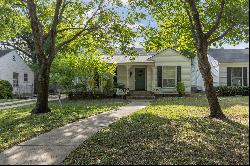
(156, 72)
(17, 72)
(229, 67)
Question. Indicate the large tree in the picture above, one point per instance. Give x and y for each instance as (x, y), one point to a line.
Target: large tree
(58, 26)
(192, 26)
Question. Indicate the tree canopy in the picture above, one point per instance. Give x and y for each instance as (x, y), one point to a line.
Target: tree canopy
(222, 23)
(65, 27)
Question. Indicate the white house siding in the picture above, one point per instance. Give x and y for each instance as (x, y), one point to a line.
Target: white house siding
(121, 74)
(8, 66)
(172, 58)
(223, 71)
(197, 80)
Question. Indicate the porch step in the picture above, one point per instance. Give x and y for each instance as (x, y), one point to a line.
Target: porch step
(140, 97)
(141, 93)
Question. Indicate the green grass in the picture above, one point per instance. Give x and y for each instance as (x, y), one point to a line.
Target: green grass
(17, 125)
(172, 131)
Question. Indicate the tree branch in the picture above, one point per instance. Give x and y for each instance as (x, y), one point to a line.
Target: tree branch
(76, 36)
(66, 29)
(84, 28)
(197, 23)
(35, 29)
(217, 22)
(52, 33)
(221, 36)
(6, 43)
(191, 23)
(62, 10)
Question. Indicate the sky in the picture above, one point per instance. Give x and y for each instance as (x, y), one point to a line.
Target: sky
(240, 46)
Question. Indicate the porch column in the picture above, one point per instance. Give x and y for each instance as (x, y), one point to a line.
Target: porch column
(153, 76)
(128, 74)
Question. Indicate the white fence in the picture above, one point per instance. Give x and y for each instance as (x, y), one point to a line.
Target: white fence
(23, 90)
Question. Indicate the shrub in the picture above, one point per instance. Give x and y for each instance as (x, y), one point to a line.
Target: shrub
(79, 91)
(108, 88)
(5, 89)
(232, 90)
(180, 88)
(80, 87)
(119, 85)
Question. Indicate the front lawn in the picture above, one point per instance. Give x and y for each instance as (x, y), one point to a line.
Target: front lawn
(17, 124)
(172, 131)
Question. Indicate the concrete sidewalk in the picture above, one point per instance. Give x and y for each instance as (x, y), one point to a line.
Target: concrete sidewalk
(54, 146)
(20, 103)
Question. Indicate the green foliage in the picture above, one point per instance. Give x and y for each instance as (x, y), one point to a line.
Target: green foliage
(80, 87)
(171, 131)
(84, 66)
(5, 89)
(24, 126)
(108, 87)
(173, 28)
(119, 85)
(232, 90)
(180, 87)
(13, 21)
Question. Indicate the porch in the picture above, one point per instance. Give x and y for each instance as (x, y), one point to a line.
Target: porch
(138, 76)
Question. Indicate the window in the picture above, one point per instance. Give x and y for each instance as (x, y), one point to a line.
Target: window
(14, 58)
(236, 76)
(25, 77)
(169, 76)
(15, 79)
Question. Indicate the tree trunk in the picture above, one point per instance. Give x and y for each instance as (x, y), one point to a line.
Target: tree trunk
(205, 69)
(36, 82)
(42, 94)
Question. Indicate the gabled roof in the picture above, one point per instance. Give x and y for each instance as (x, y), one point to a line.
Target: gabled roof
(143, 56)
(229, 55)
(4, 52)
(164, 50)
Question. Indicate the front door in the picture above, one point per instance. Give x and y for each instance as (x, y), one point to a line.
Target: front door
(139, 78)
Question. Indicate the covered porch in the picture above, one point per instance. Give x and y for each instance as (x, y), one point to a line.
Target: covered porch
(137, 76)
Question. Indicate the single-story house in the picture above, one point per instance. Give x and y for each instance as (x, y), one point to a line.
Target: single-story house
(229, 67)
(17, 72)
(157, 72)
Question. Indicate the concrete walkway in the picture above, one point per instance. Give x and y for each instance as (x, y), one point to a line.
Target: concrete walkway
(54, 146)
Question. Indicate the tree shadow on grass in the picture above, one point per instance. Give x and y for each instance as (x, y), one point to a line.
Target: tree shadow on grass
(145, 138)
(19, 125)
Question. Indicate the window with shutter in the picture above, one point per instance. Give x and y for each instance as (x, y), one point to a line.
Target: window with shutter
(178, 73)
(228, 76)
(236, 76)
(244, 76)
(159, 76)
(169, 76)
